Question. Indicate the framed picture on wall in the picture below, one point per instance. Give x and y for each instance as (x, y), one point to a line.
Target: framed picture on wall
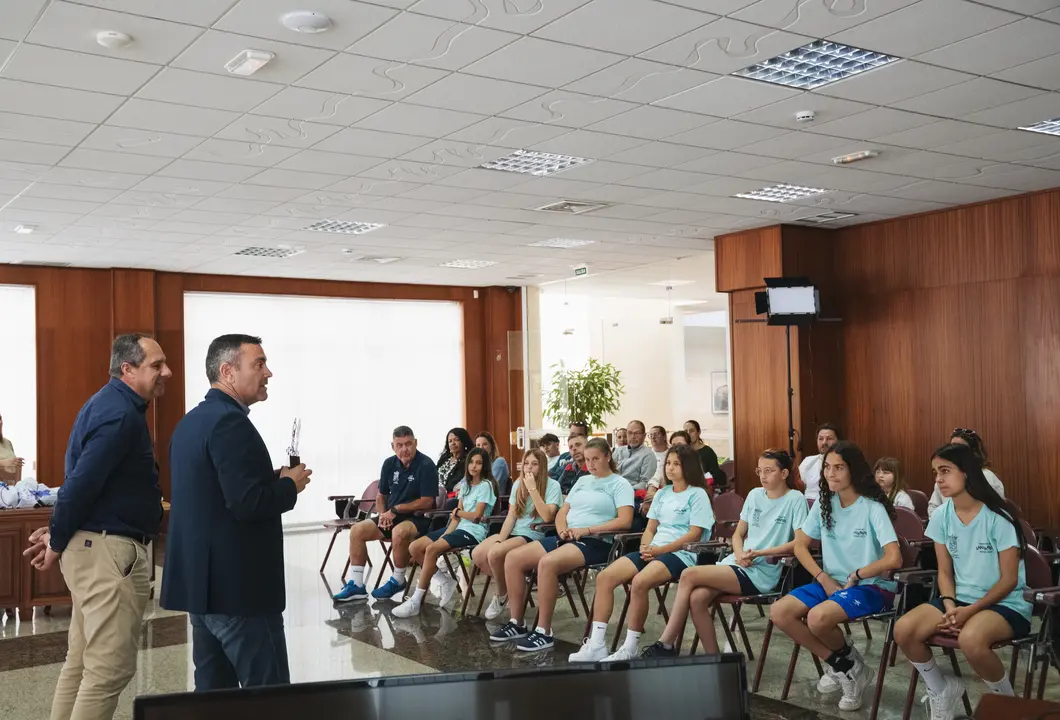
(719, 392)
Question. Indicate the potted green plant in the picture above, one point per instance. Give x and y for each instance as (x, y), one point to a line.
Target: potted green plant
(586, 395)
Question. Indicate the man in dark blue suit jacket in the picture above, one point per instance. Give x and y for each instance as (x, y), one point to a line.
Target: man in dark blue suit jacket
(224, 551)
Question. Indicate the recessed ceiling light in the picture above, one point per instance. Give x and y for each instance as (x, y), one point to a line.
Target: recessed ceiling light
(572, 207)
(468, 264)
(531, 162)
(819, 63)
(561, 243)
(672, 283)
(782, 193)
(1048, 127)
(25, 229)
(249, 62)
(829, 216)
(378, 259)
(276, 252)
(306, 21)
(344, 227)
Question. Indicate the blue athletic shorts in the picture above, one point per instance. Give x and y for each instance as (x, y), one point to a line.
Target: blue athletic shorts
(856, 602)
(456, 539)
(1020, 625)
(594, 550)
(674, 564)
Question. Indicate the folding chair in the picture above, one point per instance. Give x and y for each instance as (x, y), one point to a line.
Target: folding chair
(354, 510)
(1045, 597)
(439, 504)
(920, 504)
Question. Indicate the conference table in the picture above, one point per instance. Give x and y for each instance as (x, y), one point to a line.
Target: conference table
(22, 587)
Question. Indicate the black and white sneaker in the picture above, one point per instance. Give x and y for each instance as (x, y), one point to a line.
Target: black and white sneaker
(658, 650)
(509, 632)
(535, 642)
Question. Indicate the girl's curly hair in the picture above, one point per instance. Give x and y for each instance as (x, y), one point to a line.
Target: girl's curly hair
(862, 480)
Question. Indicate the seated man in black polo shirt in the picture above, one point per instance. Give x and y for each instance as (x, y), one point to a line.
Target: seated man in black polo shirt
(408, 485)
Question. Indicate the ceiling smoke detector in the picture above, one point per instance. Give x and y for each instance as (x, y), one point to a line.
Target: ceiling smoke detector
(265, 252)
(572, 207)
(114, 40)
(306, 21)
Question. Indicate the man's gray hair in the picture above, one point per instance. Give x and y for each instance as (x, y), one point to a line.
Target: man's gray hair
(403, 431)
(225, 349)
(126, 349)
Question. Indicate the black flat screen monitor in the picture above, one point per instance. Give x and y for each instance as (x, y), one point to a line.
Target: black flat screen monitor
(701, 687)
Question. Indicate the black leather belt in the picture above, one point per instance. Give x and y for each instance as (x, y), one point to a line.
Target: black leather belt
(142, 539)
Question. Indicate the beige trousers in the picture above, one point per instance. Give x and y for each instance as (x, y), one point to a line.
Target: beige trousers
(109, 581)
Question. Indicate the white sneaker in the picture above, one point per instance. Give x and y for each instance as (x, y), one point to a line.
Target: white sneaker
(854, 682)
(407, 609)
(589, 653)
(829, 682)
(496, 607)
(623, 655)
(943, 705)
(447, 587)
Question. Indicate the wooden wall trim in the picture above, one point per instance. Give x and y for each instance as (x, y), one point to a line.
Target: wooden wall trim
(79, 311)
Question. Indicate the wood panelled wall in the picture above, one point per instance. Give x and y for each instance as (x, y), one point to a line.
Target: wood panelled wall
(950, 319)
(79, 311)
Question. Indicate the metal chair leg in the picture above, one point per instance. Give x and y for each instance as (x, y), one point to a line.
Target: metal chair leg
(910, 694)
(762, 656)
(884, 659)
(660, 595)
(868, 632)
(468, 592)
(482, 598)
(725, 626)
(791, 672)
(334, 536)
(957, 671)
(738, 619)
(345, 570)
(622, 617)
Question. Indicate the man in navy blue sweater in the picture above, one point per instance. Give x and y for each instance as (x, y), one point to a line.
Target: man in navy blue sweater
(109, 508)
(224, 549)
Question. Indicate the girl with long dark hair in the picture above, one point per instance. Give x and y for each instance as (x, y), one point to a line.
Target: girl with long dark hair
(498, 465)
(477, 497)
(768, 521)
(535, 499)
(966, 436)
(681, 514)
(979, 546)
(452, 461)
(598, 505)
(853, 520)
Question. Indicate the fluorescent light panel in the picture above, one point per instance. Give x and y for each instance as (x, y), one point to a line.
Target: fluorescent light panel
(829, 216)
(344, 227)
(531, 162)
(819, 63)
(562, 243)
(1047, 127)
(468, 264)
(782, 193)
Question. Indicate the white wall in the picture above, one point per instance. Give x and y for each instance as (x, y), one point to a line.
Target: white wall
(352, 370)
(18, 372)
(665, 368)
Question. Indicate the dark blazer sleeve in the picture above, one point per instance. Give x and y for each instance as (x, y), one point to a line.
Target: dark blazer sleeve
(248, 494)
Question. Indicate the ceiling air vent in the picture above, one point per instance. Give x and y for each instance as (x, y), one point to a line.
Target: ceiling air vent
(572, 207)
(344, 227)
(378, 259)
(276, 252)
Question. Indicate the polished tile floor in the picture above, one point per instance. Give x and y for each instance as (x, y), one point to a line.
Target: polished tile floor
(365, 640)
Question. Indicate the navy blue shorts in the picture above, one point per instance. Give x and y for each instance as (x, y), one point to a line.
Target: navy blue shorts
(422, 524)
(1020, 625)
(856, 601)
(594, 550)
(746, 586)
(674, 564)
(456, 539)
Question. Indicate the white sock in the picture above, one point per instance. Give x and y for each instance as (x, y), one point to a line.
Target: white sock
(933, 677)
(518, 622)
(417, 596)
(542, 631)
(399, 575)
(357, 574)
(598, 635)
(632, 638)
(1001, 687)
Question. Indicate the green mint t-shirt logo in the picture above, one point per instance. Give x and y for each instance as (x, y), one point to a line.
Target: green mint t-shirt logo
(951, 546)
(860, 533)
(756, 515)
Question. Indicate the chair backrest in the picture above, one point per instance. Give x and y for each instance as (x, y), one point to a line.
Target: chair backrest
(727, 507)
(910, 553)
(920, 503)
(1028, 533)
(442, 499)
(1017, 511)
(367, 502)
(907, 524)
(1039, 574)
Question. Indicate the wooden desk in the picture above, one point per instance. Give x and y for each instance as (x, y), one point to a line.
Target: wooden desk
(23, 587)
(999, 707)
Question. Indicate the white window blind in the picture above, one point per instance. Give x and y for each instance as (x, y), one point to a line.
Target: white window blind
(351, 369)
(18, 373)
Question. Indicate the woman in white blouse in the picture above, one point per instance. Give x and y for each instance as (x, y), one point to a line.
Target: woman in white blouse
(970, 438)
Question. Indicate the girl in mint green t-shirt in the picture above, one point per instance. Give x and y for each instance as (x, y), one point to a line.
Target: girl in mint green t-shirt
(979, 545)
(535, 499)
(767, 526)
(477, 497)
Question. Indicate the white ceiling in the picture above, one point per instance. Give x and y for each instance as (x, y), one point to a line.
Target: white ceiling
(155, 157)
